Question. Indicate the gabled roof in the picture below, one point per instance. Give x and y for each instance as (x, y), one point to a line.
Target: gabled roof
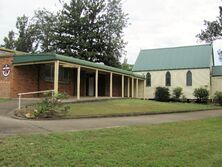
(198, 56)
(46, 57)
(217, 70)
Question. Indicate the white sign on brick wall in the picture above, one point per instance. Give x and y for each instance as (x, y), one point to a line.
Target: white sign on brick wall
(6, 70)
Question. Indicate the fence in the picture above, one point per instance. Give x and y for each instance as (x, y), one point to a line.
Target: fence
(31, 93)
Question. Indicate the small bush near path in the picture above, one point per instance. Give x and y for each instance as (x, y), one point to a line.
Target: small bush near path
(218, 98)
(49, 107)
(201, 94)
(162, 94)
(177, 93)
(188, 143)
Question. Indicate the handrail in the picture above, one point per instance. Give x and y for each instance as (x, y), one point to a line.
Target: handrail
(29, 93)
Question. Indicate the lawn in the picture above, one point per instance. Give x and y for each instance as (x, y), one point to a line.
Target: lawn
(3, 100)
(188, 143)
(131, 107)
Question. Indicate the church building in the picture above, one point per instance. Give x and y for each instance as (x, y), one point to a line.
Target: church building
(188, 67)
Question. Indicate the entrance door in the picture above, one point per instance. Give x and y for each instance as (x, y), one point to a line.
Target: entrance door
(91, 86)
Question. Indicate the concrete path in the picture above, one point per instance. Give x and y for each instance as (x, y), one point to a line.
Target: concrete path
(8, 106)
(10, 126)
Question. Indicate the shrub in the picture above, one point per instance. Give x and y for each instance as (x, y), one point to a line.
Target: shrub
(218, 98)
(201, 94)
(162, 94)
(184, 99)
(177, 93)
(48, 106)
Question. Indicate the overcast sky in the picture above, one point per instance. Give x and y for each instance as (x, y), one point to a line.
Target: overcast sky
(154, 23)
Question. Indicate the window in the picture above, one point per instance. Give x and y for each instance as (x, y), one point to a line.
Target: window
(148, 79)
(64, 73)
(168, 79)
(49, 72)
(189, 78)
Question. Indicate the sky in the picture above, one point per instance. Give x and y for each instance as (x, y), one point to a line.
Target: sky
(153, 23)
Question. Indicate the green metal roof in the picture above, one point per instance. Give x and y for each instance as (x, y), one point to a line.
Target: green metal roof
(199, 56)
(44, 57)
(217, 70)
(4, 51)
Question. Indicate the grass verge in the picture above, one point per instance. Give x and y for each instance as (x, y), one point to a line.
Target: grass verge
(130, 107)
(4, 99)
(189, 143)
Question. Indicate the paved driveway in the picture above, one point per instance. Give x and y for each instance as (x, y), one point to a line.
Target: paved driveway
(8, 106)
(10, 126)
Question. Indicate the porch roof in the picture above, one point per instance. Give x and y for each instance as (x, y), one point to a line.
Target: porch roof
(46, 57)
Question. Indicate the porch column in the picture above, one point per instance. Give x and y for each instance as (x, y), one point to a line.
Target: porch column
(111, 85)
(96, 81)
(56, 77)
(78, 83)
(122, 86)
(137, 83)
(144, 87)
(128, 87)
(132, 87)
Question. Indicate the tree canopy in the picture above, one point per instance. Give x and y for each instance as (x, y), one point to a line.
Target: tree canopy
(87, 29)
(213, 29)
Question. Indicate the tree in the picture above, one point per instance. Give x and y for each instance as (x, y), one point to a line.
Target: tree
(44, 22)
(87, 29)
(219, 52)
(9, 40)
(91, 30)
(26, 37)
(213, 29)
(126, 66)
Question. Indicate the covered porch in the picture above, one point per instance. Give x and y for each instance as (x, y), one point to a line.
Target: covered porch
(81, 80)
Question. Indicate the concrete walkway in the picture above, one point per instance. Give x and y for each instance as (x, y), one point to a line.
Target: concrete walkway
(10, 126)
(8, 106)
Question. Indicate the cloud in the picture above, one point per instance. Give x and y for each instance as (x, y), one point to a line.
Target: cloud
(158, 23)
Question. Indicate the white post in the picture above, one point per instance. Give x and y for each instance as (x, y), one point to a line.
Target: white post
(19, 103)
(132, 87)
(128, 87)
(56, 77)
(122, 86)
(96, 81)
(78, 83)
(137, 87)
(111, 85)
(144, 87)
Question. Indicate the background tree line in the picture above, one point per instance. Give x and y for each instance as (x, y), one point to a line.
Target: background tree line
(87, 29)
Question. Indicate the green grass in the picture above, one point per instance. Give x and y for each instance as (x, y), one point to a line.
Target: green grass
(131, 107)
(4, 99)
(189, 143)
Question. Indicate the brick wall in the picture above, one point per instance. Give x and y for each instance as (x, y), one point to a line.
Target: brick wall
(5, 82)
(24, 79)
(67, 87)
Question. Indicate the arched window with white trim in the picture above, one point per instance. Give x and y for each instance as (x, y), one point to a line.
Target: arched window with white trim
(148, 79)
(168, 79)
(189, 78)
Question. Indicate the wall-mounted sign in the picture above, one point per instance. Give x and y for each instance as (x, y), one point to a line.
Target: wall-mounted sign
(6, 70)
